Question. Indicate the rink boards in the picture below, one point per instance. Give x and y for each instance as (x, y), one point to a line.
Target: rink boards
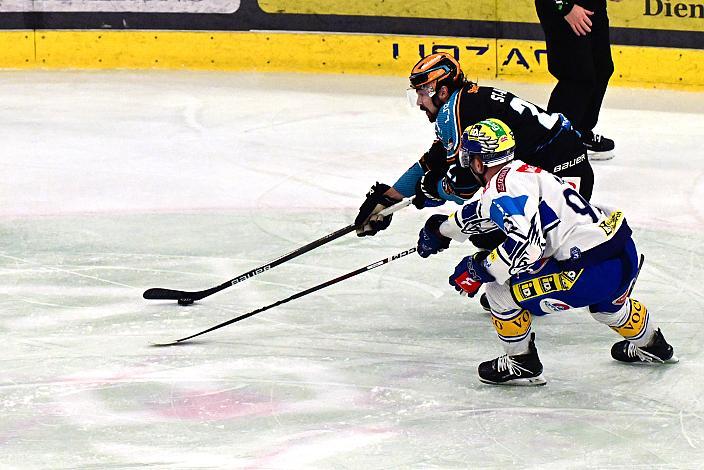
(655, 42)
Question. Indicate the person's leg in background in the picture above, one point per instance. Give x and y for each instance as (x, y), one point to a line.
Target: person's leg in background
(599, 147)
(582, 66)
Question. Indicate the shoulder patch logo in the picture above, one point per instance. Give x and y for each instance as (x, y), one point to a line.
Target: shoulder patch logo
(526, 168)
(612, 223)
(501, 180)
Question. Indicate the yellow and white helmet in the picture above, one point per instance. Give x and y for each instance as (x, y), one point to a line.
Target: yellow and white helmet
(491, 140)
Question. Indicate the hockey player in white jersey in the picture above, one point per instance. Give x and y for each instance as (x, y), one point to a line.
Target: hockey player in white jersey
(560, 253)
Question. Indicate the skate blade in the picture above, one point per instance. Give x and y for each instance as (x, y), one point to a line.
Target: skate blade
(522, 382)
(654, 361)
(600, 156)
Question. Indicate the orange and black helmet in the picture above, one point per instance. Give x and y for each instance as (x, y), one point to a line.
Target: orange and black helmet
(437, 70)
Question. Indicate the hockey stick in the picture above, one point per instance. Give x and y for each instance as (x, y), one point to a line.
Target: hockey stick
(188, 297)
(635, 278)
(350, 274)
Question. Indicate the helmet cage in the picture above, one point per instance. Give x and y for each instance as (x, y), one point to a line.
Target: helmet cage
(483, 146)
(489, 159)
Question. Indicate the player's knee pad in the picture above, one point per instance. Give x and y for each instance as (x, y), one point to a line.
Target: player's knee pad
(512, 326)
(635, 322)
(631, 321)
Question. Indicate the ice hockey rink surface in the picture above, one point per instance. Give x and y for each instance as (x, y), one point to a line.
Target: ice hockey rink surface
(116, 182)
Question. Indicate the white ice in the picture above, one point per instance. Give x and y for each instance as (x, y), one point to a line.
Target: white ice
(116, 182)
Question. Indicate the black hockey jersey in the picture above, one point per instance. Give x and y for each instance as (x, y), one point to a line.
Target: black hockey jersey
(534, 130)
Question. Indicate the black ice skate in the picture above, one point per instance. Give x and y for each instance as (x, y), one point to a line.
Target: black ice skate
(524, 369)
(599, 147)
(659, 351)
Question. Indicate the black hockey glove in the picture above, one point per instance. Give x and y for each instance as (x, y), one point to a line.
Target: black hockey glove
(427, 194)
(430, 240)
(367, 222)
(460, 182)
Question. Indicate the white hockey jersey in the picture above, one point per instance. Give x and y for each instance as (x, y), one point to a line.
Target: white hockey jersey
(542, 216)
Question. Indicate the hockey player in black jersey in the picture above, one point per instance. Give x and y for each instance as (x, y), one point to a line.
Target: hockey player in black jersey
(452, 102)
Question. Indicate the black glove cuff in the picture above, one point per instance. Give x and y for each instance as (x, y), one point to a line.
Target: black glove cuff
(488, 240)
(480, 256)
(374, 197)
(429, 185)
(377, 194)
(433, 225)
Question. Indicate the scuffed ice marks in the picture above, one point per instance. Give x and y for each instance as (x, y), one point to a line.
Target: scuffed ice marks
(186, 179)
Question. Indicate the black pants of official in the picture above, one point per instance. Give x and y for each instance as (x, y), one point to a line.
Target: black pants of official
(582, 65)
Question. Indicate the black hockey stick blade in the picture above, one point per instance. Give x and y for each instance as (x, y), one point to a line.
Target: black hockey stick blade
(183, 297)
(297, 295)
(157, 293)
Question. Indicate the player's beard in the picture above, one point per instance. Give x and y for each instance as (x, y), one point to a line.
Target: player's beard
(431, 116)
